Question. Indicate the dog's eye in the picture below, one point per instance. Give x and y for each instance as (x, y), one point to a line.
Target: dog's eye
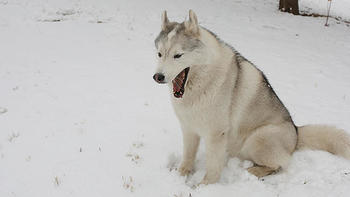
(159, 54)
(178, 55)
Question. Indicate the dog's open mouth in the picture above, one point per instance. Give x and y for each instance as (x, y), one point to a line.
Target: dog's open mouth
(179, 83)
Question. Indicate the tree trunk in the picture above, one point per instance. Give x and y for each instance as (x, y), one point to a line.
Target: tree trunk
(290, 6)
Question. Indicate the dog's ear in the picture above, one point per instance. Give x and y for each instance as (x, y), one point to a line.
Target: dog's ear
(165, 20)
(192, 24)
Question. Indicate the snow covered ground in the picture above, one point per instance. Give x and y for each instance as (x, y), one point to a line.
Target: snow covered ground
(80, 114)
(338, 8)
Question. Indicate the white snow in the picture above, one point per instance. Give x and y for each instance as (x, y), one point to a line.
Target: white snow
(338, 8)
(80, 114)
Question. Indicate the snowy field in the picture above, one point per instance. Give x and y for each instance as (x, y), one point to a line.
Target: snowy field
(80, 114)
(338, 8)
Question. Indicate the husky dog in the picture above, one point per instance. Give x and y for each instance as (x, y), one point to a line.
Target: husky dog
(221, 97)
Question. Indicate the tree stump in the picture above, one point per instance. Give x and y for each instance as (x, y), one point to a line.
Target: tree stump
(290, 6)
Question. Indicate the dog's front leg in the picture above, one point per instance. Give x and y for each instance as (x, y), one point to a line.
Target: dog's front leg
(190, 147)
(215, 156)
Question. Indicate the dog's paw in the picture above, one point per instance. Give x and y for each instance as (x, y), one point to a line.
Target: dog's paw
(205, 181)
(209, 179)
(260, 171)
(185, 168)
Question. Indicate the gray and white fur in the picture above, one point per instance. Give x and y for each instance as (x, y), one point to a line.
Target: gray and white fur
(229, 103)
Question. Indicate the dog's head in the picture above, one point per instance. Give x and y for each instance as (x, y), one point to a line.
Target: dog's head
(179, 47)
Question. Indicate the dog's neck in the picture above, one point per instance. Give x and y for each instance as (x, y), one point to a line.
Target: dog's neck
(215, 49)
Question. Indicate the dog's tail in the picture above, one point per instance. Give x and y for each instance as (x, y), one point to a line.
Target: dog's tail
(325, 138)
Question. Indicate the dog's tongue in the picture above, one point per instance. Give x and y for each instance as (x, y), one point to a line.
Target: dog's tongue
(177, 82)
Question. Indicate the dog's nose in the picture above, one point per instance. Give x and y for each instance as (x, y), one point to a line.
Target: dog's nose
(159, 77)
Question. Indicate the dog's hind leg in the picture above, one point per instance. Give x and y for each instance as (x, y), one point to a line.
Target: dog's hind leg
(270, 148)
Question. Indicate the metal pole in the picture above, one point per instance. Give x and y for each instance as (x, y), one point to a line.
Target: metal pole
(328, 10)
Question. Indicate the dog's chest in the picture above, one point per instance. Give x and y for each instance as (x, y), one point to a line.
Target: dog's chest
(202, 118)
